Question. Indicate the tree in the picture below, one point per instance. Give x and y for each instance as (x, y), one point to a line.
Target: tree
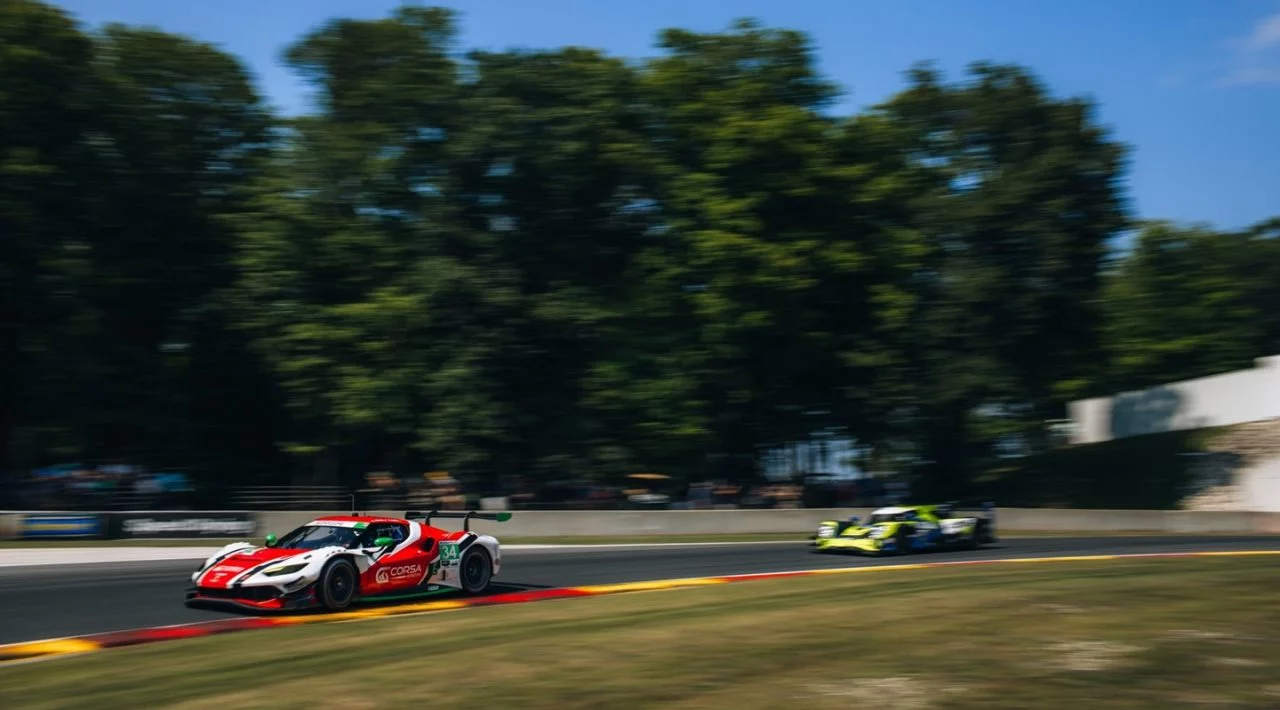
(555, 175)
(45, 117)
(1017, 221)
(180, 133)
(357, 281)
(1188, 302)
(756, 247)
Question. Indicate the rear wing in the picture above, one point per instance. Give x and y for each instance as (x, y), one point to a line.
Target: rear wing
(466, 517)
(986, 507)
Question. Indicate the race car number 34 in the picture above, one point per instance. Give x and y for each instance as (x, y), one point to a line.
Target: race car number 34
(449, 552)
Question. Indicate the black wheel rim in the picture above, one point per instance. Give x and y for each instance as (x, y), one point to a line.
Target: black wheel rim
(340, 584)
(474, 570)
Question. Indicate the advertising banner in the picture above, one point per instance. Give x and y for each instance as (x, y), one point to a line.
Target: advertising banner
(181, 524)
(41, 526)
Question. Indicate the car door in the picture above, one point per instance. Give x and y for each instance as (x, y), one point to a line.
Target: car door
(398, 568)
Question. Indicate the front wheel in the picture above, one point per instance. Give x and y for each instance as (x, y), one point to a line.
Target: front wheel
(337, 585)
(903, 540)
(476, 570)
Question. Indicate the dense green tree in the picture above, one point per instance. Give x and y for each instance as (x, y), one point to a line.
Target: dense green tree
(1016, 226)
(45, 118)
(1189, 302)
(555, 175)
(127, 150)
(354, 279)
(758, 245)
(179, 134)
(567, 265)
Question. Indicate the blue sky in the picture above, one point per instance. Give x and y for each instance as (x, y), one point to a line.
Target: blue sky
(1192, 85)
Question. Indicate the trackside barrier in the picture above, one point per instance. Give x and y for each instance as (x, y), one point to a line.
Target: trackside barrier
(583, 523)
(802, 521)
(126, 525)
(10, 526)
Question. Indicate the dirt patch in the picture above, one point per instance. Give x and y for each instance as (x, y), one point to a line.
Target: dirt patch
(907, 692)
(1059, 608)
(1236, 662)
(1090, 656)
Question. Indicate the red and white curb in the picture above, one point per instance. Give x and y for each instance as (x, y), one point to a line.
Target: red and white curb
(16, 652)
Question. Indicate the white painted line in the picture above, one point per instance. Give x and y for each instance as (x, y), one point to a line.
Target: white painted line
(99, 555)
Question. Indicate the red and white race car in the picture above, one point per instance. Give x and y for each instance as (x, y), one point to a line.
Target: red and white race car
(335, 561)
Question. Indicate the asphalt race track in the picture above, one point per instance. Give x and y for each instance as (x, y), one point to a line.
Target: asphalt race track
(42, 602)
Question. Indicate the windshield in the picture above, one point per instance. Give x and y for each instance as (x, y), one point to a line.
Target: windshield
(314, 537)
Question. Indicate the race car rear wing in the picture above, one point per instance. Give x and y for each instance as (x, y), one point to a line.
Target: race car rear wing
(988, 507)
(466, 517)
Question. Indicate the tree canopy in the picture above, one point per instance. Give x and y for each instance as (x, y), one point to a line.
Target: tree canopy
(569, 265)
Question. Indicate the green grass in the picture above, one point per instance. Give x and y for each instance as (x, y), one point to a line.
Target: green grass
(1120, 634)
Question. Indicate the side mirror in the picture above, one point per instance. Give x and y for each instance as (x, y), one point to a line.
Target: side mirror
(384, 542)
(271, 540)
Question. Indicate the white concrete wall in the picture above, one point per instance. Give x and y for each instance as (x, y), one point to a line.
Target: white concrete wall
(1260, 486)
(1231, 398)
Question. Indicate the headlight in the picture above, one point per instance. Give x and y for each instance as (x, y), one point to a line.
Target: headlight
(826, 530)
(287, 569)
(880, 531)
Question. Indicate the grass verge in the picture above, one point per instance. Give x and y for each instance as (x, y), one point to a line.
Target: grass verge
(1118, 634)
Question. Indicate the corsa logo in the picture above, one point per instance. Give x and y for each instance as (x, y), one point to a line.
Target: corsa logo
(388, 574)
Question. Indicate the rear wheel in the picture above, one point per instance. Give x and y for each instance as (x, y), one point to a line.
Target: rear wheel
(337, 585)
(476, 570)
(974, 540)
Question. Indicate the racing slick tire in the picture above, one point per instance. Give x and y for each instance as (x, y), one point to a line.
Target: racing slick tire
(975, 538)
(475, 570)
(337, 585)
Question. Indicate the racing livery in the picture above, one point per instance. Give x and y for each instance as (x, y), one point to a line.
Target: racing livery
(335, 561)
(905, 529)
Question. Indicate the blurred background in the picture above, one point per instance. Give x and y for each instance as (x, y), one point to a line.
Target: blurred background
(573, 278)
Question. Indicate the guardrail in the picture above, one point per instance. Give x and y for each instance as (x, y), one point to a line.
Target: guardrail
(575, 523)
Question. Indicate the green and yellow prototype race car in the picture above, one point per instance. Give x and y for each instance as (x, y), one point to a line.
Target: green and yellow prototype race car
(900, 530)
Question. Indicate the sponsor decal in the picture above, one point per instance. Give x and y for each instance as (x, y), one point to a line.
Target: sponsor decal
(386, 575)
